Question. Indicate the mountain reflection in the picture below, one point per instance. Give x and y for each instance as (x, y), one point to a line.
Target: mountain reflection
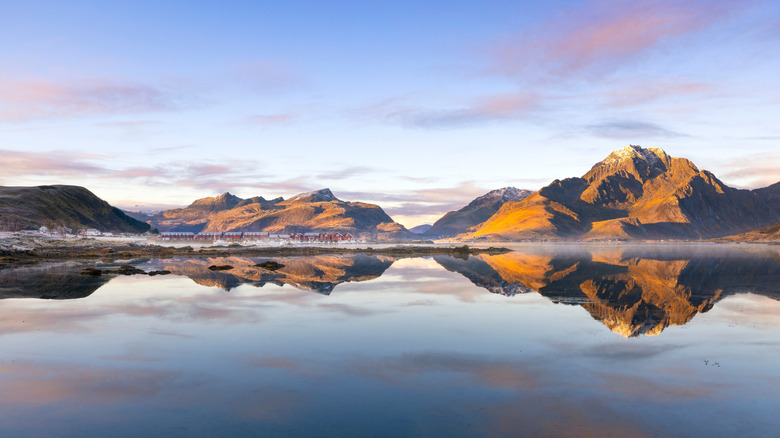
(632, 291)
(60, 281)
(316, 273)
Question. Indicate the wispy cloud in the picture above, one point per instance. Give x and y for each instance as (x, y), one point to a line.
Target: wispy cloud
(170, 148)
(648, 91)
(129, 124)
(220, 176)
(630, 130)
(465, 191)
(413, 207)
(750, 171)
(347, 172)
(498, 107)
(53, 163)
(599, 37)
(28, 99)
(266, 120)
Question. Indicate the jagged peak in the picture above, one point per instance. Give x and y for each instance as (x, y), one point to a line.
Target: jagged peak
(322, 195)
(644, 163)
(653, 156)
(506, 194)
(223, 201)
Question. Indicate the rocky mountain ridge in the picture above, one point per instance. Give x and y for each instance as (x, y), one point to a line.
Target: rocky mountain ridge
(634, 193)
(314, 211)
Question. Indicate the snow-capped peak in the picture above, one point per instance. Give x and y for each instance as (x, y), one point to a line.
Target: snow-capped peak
(324, 195)
(633, 151)
(506, 194)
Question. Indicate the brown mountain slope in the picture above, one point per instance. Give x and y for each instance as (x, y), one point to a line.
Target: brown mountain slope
(634, 193)
(60, 205)
(307, 212)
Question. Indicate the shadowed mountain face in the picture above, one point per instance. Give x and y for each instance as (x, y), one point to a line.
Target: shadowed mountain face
(49, 282)
(70, 206)
(634, 193)
(631, 291)
(308, 212)
(771, 196)
(479, 210)
(420, 229)
(318, 273)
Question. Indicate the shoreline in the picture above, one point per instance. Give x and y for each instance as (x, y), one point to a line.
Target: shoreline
(95, 250)
(31, 249)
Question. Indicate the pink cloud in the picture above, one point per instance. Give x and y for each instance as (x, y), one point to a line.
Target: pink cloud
(498, 107)
(272, 119)
(599, 36)
(649, 91)
(750, 171)
(27, 99)
(414, 207)
(57, 163)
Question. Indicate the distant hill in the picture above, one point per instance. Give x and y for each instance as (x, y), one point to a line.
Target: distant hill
(419, 229)
(634, 193)
(59, 205)
(477, 211)
(766, 234)
(771, 196)
(307, 212)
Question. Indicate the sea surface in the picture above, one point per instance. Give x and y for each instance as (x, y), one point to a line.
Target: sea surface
(557, 340)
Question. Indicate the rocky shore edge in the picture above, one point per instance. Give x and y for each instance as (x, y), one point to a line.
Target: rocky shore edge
(104, 251)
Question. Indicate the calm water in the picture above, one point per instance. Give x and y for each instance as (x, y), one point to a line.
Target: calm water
(556, 341)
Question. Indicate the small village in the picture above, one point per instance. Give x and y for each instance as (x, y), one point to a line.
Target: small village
(247, 236)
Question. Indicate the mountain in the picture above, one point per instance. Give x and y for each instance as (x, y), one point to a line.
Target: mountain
(420, 229)
(477, 211)
(634, 193)
(307, 212)
(771, 196)
(59, 205)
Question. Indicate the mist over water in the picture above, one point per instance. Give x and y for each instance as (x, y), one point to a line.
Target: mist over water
(547, 340)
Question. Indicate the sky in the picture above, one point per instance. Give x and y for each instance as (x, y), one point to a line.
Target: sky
(416, 106)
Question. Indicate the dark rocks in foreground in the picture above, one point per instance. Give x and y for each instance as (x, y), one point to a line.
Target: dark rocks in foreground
(270, 265)
(123, 270)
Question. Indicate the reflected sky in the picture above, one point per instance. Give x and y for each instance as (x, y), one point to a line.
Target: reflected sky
(406, 347)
